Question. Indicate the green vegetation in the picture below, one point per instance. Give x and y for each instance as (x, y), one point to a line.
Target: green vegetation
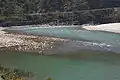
(18, 6)
(41, 6)
(49, 78)
(21, 12)
(38, 6)
(14, 74)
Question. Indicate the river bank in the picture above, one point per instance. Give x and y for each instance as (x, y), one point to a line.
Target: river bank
(82, 58)
(68, 38)
(61, 39)
(27, 43)
(14, 74)
(111, 27)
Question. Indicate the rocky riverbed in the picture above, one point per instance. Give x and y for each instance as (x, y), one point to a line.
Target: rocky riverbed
(27, 43)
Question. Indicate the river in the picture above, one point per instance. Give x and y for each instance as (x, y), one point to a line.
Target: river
(84, 65)
(96, 39)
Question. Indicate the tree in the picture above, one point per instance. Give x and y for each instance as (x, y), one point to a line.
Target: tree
(80, 5)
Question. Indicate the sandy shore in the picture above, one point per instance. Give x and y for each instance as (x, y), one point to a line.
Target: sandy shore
(26, 43)
(111, 27)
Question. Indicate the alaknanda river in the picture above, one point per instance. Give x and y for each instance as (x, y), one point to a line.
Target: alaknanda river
(77, 65)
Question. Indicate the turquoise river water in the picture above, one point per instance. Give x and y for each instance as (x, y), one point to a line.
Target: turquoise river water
(98, 67)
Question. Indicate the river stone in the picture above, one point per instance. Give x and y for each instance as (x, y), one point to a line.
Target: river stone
(1, 78)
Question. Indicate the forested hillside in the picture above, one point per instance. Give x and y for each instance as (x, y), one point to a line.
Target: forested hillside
(38, 6)
(18, 12)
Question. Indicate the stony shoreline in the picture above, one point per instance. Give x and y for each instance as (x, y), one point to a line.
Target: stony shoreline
(12, 41)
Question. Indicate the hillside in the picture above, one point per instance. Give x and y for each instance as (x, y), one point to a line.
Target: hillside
(38, 6)
(23, 12)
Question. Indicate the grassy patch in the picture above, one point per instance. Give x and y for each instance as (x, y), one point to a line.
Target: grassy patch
(14, 74)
